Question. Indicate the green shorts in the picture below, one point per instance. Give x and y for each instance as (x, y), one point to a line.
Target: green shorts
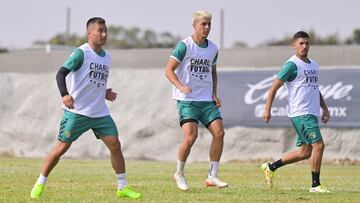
(195, 111)
(73, 125)
(307, 129)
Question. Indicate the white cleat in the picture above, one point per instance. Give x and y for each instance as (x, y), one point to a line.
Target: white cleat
(319, 189)
(215, 182)
(181, 181)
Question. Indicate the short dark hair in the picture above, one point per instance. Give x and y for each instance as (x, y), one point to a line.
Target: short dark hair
(301, 34)
(95, 20)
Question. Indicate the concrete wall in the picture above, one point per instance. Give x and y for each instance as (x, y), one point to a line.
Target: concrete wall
(146, 116)
(40, 61)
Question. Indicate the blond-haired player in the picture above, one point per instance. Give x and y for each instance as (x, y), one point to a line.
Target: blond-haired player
(192, 71)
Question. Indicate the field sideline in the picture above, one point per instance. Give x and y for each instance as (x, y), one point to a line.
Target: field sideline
(94, 181)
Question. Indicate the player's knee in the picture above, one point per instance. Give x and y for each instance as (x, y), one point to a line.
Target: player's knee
(114, 145)
(57, 153)
(219, 134)
(60, 149)
(320, 146)
(190, 140)
(305, 154)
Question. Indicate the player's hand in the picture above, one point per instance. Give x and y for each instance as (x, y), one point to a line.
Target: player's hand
(68, 101)
(185, 89)
(217, 101)
(110, 95)
(266, 116)
(326, 116)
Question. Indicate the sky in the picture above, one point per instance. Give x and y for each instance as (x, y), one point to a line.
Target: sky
(251, 21)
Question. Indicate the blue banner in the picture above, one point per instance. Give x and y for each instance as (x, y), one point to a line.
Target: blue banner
(244, 93)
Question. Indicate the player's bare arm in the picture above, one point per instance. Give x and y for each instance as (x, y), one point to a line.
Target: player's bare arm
(171, 76)
(214, 77)
(326, 115)
(270, 99)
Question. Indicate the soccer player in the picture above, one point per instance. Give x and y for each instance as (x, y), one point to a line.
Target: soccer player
(301, 76)
(83, 97)
(192, 70)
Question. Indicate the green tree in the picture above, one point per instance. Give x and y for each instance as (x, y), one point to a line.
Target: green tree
(60, 39)
(355, 38)
(116, 37)
(167, 40)
(332, 39)
(239, 44)
(356, 35)
(3, 50)
(279, 42)
(120, 37)
(149, 39)
(132, 38)
(76, 41)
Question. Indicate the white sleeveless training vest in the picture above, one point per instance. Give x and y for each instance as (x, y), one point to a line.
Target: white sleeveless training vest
(87, 85)
(303, 91)
(195, 71)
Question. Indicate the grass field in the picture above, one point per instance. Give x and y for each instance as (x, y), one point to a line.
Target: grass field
(94, 181)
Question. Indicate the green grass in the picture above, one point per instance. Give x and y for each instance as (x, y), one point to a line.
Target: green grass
(94, 181)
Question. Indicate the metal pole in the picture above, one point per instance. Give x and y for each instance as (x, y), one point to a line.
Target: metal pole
(67, 32)
(222, 29)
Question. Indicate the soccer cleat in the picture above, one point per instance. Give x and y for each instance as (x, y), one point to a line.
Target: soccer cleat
(181, 181)
(37, 191)
(269, 174)
(128, 192)
(215, 182)
(319, 189)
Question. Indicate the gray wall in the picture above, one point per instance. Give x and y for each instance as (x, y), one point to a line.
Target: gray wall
(39, 61)
(31, 106)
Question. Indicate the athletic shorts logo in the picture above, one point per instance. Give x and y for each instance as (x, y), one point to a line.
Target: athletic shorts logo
(67, 134)
(311, 135)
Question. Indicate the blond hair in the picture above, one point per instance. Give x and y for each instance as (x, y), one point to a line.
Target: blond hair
(200, 15)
